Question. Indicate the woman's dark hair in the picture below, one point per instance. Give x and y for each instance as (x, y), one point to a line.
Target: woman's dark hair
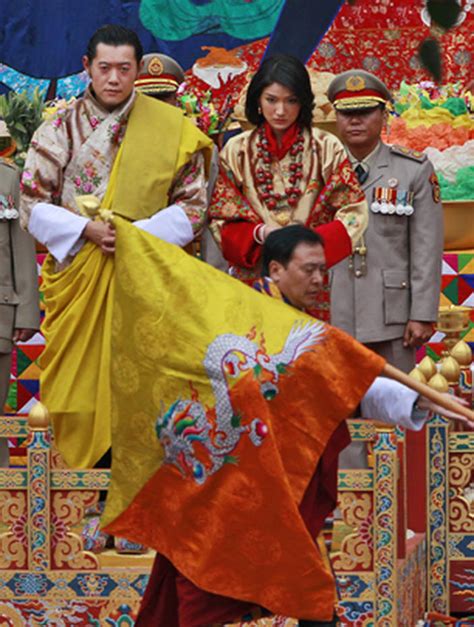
(280, 244)
(289, 72)
(114, 35)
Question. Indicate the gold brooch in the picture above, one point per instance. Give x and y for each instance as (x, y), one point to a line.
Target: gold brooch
(155, 67)
(355, 83)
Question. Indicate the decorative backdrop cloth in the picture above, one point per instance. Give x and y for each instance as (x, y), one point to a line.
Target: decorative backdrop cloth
(378, 35)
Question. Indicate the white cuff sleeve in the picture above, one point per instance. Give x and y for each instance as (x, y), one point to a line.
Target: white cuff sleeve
(57, 228)
(393, 403)
(170, 224)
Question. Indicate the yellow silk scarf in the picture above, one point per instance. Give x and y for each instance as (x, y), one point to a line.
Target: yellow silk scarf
(75, 383)
(166, 152)
(75, 380)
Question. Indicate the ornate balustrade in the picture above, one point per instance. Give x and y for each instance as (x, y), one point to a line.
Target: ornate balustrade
(377, 586)
(450, 516)
(45, 575)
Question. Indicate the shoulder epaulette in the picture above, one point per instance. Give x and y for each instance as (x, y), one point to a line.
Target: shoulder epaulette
(417, 155)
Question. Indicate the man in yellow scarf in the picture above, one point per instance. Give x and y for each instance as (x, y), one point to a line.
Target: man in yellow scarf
(112, 149)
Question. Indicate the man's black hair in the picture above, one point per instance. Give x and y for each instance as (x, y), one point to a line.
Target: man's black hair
(114, 35)
(280, 244)
(289, 72)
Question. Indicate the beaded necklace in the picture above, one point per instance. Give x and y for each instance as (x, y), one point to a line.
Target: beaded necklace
(264, 177)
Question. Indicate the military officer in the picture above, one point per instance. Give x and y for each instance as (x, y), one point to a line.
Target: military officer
(160, 77)
(19, 302)
(387, 294)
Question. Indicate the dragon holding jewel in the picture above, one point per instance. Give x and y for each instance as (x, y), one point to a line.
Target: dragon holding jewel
(187, 427)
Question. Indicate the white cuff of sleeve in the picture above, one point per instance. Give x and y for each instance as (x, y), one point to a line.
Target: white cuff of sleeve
(57, 228)
(393, 403)
(170, 224)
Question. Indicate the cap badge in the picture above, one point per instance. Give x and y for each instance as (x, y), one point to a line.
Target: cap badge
(355, 83)
(155, 67)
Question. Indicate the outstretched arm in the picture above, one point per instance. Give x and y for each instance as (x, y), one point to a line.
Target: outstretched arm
(445, 404)
(393, 403)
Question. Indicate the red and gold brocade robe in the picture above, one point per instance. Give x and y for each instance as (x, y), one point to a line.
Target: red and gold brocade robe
(332, 202)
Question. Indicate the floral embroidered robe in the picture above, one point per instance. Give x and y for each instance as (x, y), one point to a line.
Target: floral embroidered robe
(73, 154)
(332, 202)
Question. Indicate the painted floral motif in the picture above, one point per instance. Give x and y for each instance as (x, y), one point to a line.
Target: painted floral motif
(87, 179)
(58, 530)
(19, 529)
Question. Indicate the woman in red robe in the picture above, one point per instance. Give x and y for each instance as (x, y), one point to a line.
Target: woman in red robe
(284, 171)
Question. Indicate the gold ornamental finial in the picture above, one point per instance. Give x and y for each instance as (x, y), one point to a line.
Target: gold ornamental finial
(418, 375)
(427, 367)
(438, 383)
(462, 353)
(450, 369)
(38, 418)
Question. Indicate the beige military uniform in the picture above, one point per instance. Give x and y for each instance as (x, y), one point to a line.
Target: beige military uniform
(395, 274)
(373, 296)
(19, 303)
(398, 279)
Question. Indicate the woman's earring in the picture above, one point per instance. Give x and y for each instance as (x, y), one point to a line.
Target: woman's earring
(259, 111)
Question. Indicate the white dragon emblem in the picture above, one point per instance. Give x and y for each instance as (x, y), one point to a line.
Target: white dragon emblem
(186, 422)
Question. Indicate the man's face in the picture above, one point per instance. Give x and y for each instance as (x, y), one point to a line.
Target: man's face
(361, 128)
(302, 278)
(113, 71)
